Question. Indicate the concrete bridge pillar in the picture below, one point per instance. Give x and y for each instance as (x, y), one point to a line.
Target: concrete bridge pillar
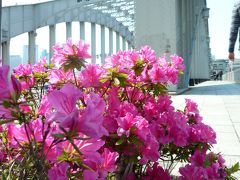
(123, 44)
(32, 47)
(117, 41)
(82, 30)
(5, 52)
(52, 39)
(110, 41)
(68, 30)
(129, 45)
(93, 42)
(178, 27)
(102, 44)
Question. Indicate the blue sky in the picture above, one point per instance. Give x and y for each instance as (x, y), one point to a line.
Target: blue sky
(219, 28)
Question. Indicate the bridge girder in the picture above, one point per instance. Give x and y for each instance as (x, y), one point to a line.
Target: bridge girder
(26, 18)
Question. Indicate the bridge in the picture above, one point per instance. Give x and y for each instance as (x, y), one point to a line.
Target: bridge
(170, 27)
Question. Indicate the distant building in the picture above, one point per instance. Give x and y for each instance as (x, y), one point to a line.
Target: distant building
(220, 65)
(25, 54)
(44, 53)
(15, 60)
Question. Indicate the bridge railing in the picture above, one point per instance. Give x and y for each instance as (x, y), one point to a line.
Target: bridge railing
(232, 76)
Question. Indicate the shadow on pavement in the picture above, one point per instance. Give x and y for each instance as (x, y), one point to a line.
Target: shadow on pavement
(215, 88)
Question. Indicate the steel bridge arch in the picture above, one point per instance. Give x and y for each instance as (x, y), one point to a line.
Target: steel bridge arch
(25, 18)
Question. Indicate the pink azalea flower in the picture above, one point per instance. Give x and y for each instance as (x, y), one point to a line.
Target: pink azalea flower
(15, 86)
(109, 164)
(177, 62)
(126, 107)
(90, 76)
(4, 84)
(203, 166)
(44, 107)
(23, 70)
(142, 128)
(87, 147)
(58, 171)
(148, 55)
(149, 150)
(24, 107)
(103, 167)
(123, 60)
(157, 172)
(90, 175)
(178, 131)
(202, 133)
(5, 113)
(82, 50)
(27, 83)
(110, 123)
(157, 74)
(35, 131)
(58, 75)
(112, 114)
(70, 52)
(125, 124)
(92, 117)
(172, 75)
(43, 61)
(130, 176)
(191, 172)
(198, 158)
(191, 107)
(64, 102)
(150, 146)
(39, 68)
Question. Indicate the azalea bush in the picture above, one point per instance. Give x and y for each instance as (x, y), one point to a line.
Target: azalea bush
(74, 120)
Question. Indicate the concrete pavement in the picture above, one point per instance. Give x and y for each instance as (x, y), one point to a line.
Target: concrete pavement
(219, 105)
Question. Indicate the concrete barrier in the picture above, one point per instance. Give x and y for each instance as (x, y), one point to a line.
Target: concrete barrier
(232, 76)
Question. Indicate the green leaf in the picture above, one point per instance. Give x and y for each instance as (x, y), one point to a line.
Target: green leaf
(58, 136)
(133, 139)
(138, 67)
(63, 157)
(120, 141)
(6, 104)
(103, 80)
(159, 89)
(234, 168)
(180, 73)
(123, 75)
(4, 177)
(206, 163)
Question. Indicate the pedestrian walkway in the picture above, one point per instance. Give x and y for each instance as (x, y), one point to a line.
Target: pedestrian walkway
(219, 105)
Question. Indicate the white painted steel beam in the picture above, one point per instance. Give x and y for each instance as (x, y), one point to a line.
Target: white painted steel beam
(68, 30)
(52, 39)
(82, 30)
(93, 42)
(32, 47)
(5, 52)
(103, 44)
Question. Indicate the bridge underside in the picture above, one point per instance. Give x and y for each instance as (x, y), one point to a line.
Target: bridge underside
(116, 15)
(170, 27)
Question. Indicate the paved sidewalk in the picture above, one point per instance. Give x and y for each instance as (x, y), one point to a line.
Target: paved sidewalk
(219, 104)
